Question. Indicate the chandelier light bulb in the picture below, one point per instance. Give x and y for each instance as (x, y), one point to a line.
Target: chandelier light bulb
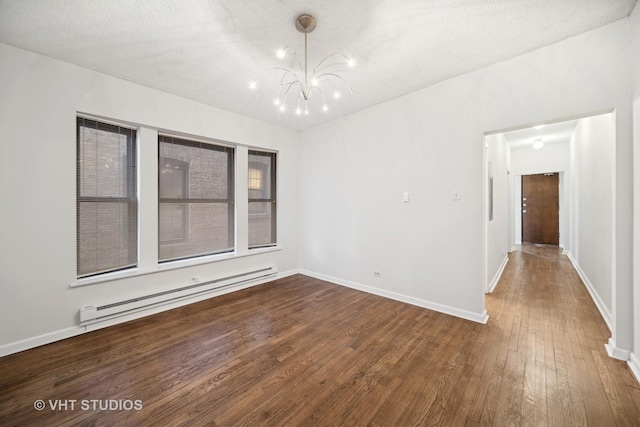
(336, 95)
(351, 63)
(281, 53)
(538, 144)
(276, 101)
(253, 84)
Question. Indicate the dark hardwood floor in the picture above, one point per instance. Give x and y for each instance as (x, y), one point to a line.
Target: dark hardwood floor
(299, 351)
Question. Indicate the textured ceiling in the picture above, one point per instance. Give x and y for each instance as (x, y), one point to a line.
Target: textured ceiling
(208, 50)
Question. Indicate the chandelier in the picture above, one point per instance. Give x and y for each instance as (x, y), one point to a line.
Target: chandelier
(298, 85)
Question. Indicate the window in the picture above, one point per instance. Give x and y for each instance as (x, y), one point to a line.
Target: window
(106, 198)
(196, 199)
(262, 199)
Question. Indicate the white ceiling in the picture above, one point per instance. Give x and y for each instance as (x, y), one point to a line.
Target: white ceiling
(208, 50)
(553, 133)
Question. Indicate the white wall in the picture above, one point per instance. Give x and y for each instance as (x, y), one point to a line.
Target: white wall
(635, 54)
(550, 158)
(40, 98)
(591, 149)
(430, 142)
(498, 229)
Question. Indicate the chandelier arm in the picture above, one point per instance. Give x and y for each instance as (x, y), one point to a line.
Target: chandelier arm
(274, 69)
(336, 76)
(318, 67)
(289, 85)
(317, 89)
(287, 72)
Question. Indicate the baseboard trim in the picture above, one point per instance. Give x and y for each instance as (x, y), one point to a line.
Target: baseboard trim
(594, 295)
(452, 311)
(634, 364)
(40, 340)
(498, 275)
(50, 337)
(616, 352)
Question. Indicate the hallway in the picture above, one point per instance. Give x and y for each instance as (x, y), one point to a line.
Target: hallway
(552, 365)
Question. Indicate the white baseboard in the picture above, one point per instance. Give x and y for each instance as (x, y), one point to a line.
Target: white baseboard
(496, 278)
(468, 315)
(604, 312)
(634, 364)
(615, 351)
(50, 337)
(37, 341)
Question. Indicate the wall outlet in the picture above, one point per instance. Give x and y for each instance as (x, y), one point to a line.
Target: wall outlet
(195, 279)
(377, 274)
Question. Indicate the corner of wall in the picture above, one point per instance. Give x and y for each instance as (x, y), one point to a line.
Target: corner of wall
(452, 311)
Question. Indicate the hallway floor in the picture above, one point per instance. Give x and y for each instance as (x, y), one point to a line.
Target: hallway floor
(552, 366)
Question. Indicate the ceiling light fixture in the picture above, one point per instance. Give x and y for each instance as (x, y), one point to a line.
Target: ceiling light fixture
(298, 86)
(537, 143)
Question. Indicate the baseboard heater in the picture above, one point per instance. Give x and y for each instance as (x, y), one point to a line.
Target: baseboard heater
(92, 314)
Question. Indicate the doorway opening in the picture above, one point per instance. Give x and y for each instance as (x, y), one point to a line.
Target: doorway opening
(576, 156)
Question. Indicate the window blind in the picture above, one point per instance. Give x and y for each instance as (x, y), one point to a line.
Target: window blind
(195, 199)
(106, 202)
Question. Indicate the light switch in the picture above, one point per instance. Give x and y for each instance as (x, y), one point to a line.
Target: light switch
(405, 197)
(456, 195)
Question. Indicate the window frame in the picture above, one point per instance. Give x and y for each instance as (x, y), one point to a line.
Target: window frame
(272, 200)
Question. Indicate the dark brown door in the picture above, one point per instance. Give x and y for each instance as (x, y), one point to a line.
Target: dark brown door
(540, 206)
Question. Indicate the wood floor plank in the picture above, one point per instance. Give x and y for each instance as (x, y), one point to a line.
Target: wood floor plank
(299, 351)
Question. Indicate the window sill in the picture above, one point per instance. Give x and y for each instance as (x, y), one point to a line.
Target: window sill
(171, 265)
